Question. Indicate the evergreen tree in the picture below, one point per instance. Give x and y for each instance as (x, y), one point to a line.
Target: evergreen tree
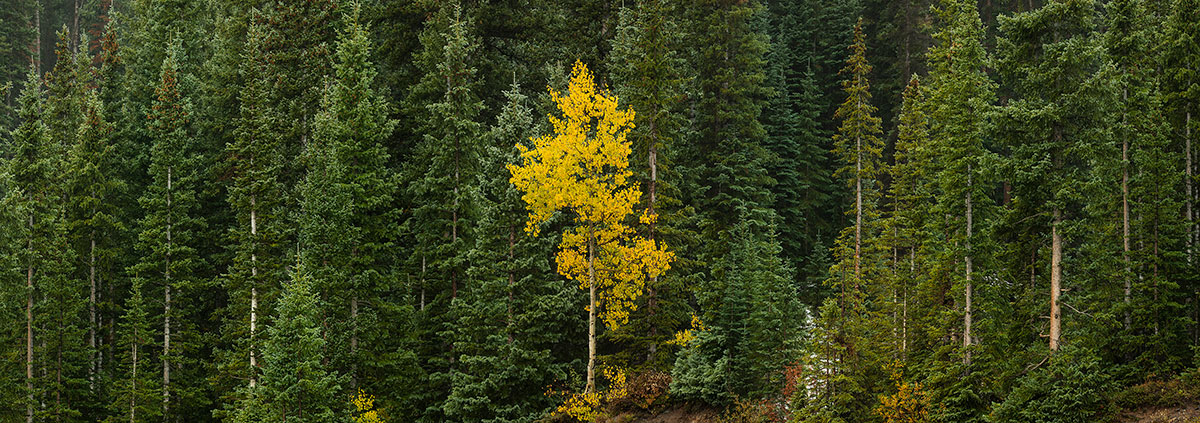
(515, 328)
(94, 224)
(445, 162)
(804, 187)
(903, 230)
(751, 324)
(137, 395)
(347, 224)
(1180, 84)
(296, 386)
(167, 231)
(1151, 221)
(257, 197)
(64, 359)
(1054, 126)
(30, 164)
(649, 72)
(843, 390)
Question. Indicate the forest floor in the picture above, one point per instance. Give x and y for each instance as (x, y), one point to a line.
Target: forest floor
(1184, 414)
(673, 415)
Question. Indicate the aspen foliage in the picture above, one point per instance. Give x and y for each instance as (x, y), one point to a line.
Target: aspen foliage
(910, 403)
(364, 408)
(583, 167)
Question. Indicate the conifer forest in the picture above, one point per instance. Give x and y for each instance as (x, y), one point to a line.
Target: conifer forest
(742, 211)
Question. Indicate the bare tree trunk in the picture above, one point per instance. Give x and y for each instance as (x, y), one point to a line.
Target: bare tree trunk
(37, 23)
(166, 354)
(354, 340)
(75, 36)
(591, 365)
(29, 328)
(133, 377)
(253, 286)
(651, 291)
(1191, 193)
(967, 340)
(1055, 280)
(858, 211)
(92, 314)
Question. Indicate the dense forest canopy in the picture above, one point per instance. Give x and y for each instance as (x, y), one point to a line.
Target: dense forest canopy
(561, 210)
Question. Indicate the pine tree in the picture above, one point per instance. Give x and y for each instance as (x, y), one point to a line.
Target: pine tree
(167, 231)
(296, 386)
(257, 195)
(347, 224)
(445, 162)
(1054, 125)
(649, 73)
(137, 396)
(514, 332)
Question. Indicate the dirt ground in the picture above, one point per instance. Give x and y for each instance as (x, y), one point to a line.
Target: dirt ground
(1189, 414)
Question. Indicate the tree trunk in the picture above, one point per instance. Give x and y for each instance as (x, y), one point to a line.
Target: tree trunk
(1191, 193)
(29, 327)
(133, 378)
(354, 341)
(1125, 223)
(651, 294)
(92, 314)
(37, 23)
(967, 316)
(858, 211)
(253, 286)
(591, 365)
(166, 354)
(1055, 280)
(75, 36)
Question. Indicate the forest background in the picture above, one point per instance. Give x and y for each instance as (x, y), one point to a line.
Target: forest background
(867, 210)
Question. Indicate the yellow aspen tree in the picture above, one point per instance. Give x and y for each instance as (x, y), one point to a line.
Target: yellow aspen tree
(583, 169)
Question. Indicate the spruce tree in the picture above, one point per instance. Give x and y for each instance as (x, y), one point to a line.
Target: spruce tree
(94, 224)
(804, 188)
(1151, 223)
(347, 224)
(296, 386)
(257, 197)
(1181, 100)
(30, 164)
(446, 161)
(65, 360)
(167, 231)
(515, 326)
(137, 396)
(649, 72)
(1054, 126)
(959, 164)
(845, 316)
(751, 323)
